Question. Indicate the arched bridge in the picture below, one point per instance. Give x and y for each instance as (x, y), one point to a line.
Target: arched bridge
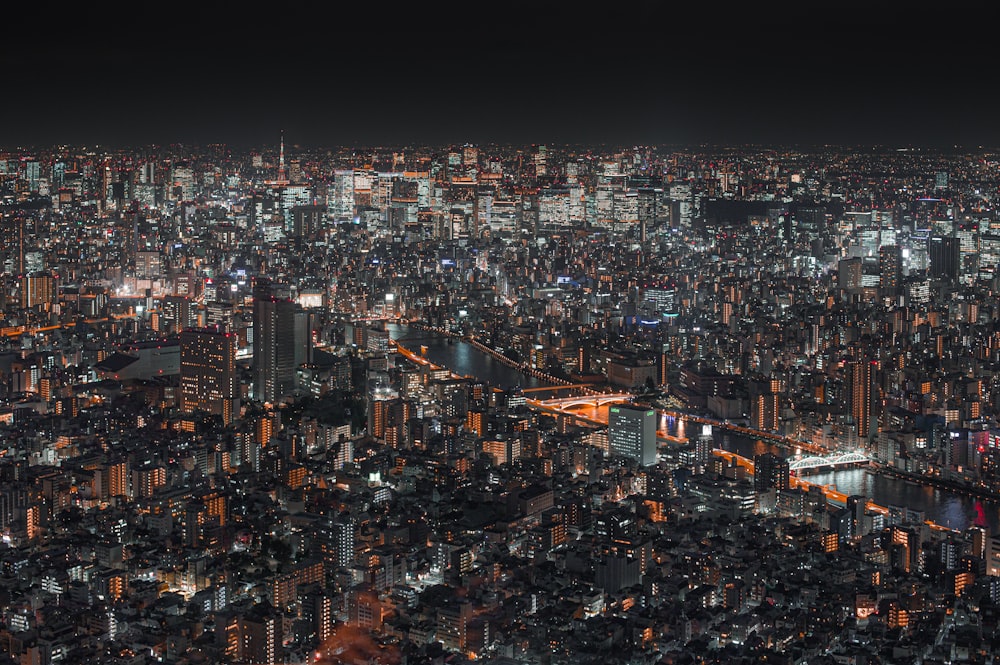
(815, 461)
(598, 399)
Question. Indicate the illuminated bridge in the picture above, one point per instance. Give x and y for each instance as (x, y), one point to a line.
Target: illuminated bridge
(816, 462)
(593, 409)
(599, 399)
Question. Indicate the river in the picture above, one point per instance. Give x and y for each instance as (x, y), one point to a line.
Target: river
(461, 358)
(939, 506)
(955, 511)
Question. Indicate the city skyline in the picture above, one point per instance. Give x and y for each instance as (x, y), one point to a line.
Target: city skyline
(257, 406)
(636, 74)
(499, 335)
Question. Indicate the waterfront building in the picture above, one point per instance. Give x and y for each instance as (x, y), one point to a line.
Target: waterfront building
(632, 433)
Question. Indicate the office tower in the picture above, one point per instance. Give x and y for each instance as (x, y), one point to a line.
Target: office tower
(770, 472)
(890, 265)
(340, 196)
(273, 363)
(148, 265)
(302, 338)
(861, 398)
(969, 242)
(632, 433)
(176, 314)
(220, 314)
(944, 255)
(208, 372)
(849, 273)
(307, 220)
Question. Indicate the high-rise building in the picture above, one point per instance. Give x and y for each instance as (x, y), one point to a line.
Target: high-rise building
(764, 405)
(220, 314)
(148, 265)
(176, 314)
(770, 471)
(273, 364)
(944, 253)
(38, 289)
(208, 372)
(341, 534)
(890, 264)
(632, 433)
(453, 624)
(849, 273)
(255, 637)
(307, 220)
(861, 398)
(378, 412)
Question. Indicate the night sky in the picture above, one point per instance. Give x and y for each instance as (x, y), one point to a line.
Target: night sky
(507, 72)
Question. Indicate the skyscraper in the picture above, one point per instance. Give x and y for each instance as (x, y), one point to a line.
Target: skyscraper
(765, 409)
(273, 364)
(890, 264)
(944, 253)
(208, 372)
(861, 398)
(632, 433)
(770, 471)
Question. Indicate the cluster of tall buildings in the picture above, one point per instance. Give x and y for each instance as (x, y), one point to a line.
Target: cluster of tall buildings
(213, 452)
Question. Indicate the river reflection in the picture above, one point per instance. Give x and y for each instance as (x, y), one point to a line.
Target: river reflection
(461, 358)
(950, 510)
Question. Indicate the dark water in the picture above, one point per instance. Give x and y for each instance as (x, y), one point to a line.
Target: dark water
(461, 358)
(940, 506)
(954, 511)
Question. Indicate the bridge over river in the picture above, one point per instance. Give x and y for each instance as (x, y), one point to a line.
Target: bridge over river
(593, 408)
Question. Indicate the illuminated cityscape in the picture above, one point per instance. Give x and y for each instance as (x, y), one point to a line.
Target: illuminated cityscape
(495, 403)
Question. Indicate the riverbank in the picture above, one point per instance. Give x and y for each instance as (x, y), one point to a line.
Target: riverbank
(524, 368)
(946, 506)
(940, 483)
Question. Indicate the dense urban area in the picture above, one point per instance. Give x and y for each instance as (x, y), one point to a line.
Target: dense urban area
(225, 436)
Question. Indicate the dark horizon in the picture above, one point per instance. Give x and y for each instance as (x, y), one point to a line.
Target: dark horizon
(629, 74)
